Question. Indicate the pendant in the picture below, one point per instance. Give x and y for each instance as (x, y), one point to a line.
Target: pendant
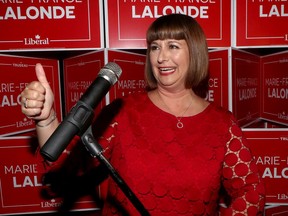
(180, 125)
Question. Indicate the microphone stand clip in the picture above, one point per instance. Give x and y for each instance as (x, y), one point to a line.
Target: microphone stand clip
(96, 150)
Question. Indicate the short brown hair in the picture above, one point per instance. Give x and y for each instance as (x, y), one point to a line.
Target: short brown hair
(180, 27)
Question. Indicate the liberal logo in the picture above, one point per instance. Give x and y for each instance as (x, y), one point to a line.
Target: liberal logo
(36, 40)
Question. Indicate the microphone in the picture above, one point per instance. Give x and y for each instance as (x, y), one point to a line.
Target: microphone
(81, 115)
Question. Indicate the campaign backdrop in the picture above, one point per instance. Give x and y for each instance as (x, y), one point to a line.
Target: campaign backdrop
(16, 72)
(127, 21)
(56, 24)
(132, 77)
(218, 80)
(79, 72)
(270, 148)
(261, 23)
(275, 88)
(21, 188)
(245, 86)
(276, 210)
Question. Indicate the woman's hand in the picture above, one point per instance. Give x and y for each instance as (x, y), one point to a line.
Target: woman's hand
(37, 98)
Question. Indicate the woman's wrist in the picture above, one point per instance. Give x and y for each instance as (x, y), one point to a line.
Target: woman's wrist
(44, 123)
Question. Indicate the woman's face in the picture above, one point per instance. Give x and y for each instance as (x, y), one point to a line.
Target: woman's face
(170, 61)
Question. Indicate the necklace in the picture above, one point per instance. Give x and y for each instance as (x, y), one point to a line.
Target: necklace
(179, 123)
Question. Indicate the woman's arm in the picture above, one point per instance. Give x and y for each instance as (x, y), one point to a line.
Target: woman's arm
(241, 178)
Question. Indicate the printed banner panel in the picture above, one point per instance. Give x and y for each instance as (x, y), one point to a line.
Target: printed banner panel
(276, 210)
(16, 72)
(21, 189)
(261, 23)
(132, 77)
(218, 81)
(128, 20)
(79, 72)
(275, 88)
(245, 87)
(51, 24)
(270, 149)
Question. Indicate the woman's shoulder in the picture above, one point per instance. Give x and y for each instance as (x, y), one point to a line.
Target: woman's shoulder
(221, 121)
(221, 113)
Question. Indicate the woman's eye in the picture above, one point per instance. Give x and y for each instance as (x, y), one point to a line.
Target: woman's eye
(153, 47)
(173, 46)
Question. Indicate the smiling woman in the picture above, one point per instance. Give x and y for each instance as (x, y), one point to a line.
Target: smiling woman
(170, 62)
(179, 154)
(188, 33)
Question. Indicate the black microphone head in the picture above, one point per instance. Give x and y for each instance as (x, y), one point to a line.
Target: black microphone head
(111, 72)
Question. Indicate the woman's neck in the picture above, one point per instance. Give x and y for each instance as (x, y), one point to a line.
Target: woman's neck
(180, 103)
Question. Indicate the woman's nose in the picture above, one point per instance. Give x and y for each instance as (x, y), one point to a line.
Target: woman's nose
(162, 57)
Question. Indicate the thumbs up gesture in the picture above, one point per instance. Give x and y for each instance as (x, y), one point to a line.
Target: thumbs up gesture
(37, 98)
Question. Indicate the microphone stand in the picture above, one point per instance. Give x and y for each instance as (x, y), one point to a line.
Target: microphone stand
(95, 149)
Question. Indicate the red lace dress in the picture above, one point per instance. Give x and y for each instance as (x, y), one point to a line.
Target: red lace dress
(172, 171)
(183, 171)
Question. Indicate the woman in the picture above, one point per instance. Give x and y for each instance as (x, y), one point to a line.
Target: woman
(180, 154)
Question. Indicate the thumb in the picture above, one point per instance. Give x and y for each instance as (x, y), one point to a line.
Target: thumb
(41, 76)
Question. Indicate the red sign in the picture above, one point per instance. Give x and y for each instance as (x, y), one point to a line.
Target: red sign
(51, 24)
(271, 154)
(128, 20)
(261, 23)
(218, 80)
(275, 88)
(132, 77)
(245, 87)
(79, 73)
(276, 210)
(21, 180)
(16, 73)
